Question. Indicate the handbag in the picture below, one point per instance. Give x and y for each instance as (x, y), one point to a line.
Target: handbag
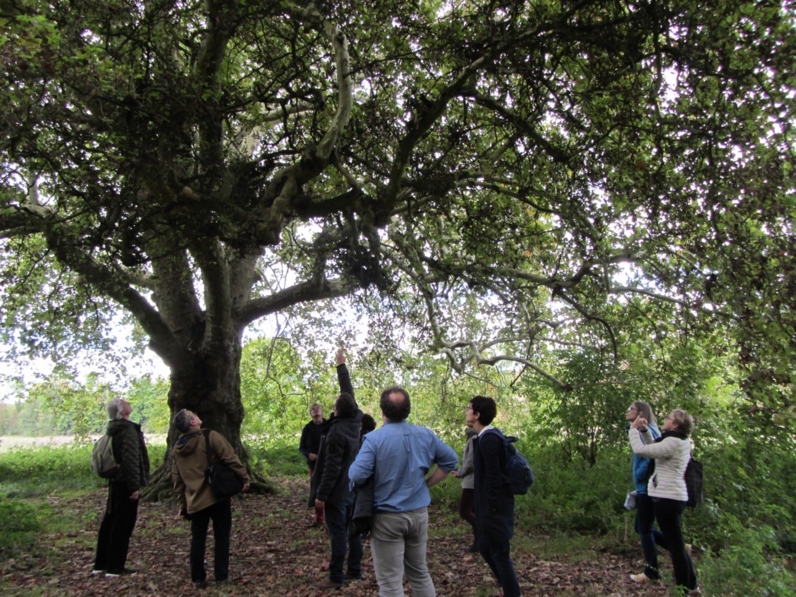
(224, 483)
(630, 500)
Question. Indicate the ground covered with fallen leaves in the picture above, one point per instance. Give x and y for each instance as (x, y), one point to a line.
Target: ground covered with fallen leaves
(275, 553)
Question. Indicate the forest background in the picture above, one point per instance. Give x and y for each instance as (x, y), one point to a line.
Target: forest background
(568, 205)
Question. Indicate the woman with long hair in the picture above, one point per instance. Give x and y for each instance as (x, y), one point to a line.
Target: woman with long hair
(666, 485)
(651, 538)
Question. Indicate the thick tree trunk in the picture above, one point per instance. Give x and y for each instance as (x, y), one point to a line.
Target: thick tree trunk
(208, 385)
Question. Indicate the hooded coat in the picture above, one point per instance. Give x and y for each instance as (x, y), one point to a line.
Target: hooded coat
(189, 463)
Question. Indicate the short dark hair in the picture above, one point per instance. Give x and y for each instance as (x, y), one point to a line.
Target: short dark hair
(182, 421)
(485, 407)
(395, 410)
(368, 423)
(346, 406)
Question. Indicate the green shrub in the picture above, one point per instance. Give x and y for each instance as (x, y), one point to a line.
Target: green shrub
(21, 521)
(748, 564)
(41, 470)
(574, 496)
(279, 459)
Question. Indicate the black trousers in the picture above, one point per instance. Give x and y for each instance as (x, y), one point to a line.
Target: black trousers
(467, 509)
(116, 529)
(221, 515)
(496, 551)
(668, 513)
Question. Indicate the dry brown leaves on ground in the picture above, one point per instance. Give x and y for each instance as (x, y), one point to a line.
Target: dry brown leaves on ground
(275, 553)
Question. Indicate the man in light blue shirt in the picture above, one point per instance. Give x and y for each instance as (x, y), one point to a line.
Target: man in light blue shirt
(398, 456)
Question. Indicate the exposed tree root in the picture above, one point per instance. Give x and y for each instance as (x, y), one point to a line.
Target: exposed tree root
(160, 488)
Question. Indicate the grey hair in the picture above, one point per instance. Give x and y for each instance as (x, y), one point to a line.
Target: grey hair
(683, 420)
(182, 421)
(114, 408)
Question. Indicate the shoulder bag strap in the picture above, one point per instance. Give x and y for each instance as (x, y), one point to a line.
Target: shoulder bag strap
(207, 448)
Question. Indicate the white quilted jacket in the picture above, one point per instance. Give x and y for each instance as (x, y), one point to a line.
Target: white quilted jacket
(671, 457)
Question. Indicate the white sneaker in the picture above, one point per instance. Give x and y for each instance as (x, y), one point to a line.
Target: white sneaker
(640, 578)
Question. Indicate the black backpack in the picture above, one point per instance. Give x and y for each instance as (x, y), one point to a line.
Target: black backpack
(517, 472)
(693, 483)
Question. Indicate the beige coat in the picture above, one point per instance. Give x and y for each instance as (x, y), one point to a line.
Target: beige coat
(671, 458)
(189, 462)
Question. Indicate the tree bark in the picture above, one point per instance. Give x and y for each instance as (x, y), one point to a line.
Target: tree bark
(207, 383)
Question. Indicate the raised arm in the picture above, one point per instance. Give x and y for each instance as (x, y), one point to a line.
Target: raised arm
(664, 449)
(343, 377)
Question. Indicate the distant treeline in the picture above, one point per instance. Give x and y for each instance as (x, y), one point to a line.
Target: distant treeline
(61, 406)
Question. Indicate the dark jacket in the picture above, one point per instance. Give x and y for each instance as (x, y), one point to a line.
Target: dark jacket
(310, 441)
(494, 502)
(362, 516)
(129, 451)
(339, 446)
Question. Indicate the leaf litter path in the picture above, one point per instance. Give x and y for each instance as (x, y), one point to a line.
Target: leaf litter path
(274, 553)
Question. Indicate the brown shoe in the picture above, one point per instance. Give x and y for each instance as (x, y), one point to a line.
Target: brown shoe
(328, 585)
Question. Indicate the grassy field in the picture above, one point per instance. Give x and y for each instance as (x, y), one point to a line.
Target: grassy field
(10, 442)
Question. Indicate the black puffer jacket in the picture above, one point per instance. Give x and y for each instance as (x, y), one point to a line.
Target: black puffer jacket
(130, 453)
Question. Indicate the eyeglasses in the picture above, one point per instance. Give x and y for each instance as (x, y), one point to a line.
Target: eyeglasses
(468, 407)
(667, 418)
(631, 408)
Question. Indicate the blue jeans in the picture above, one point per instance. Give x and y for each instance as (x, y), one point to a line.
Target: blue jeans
(668, 513)
(651, 538)
(221, 515)
(337, 518)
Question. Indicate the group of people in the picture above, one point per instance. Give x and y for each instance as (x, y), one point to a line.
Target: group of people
(194, 449)
(659, 462)
(383, 476)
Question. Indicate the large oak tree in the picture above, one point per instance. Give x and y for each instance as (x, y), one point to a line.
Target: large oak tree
(498, 171)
